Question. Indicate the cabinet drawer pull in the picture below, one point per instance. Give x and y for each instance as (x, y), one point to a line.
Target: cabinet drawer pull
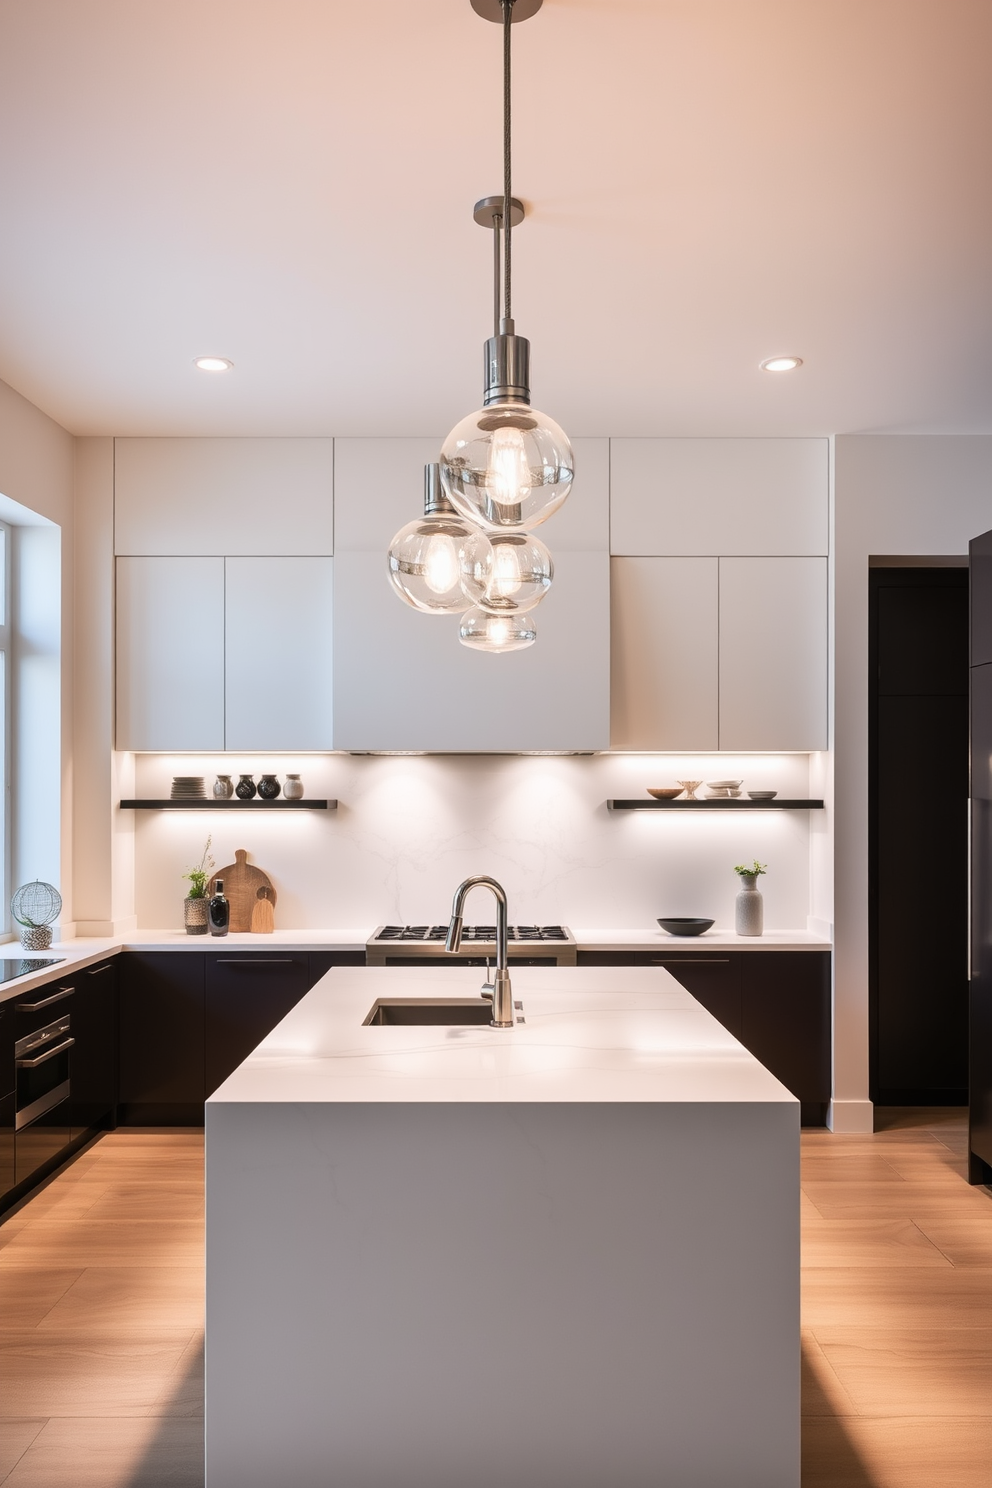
(251, 961)
(691, 961)
(97, 970)
(42, 1058)
(32, 1007)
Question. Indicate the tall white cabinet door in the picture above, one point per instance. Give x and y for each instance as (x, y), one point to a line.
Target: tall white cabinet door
(773, 653)
(170, 653)
(664, 644)
(403, 681)
(223, 496)
(278, 619)
(715, 496)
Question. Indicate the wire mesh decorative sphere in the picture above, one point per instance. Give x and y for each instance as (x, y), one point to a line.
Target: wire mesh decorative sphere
(35, 906)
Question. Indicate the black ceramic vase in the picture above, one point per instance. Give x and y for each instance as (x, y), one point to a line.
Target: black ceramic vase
(245, 788)
(268, 787)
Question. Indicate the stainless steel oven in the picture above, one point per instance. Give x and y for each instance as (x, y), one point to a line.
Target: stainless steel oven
(42, 1071)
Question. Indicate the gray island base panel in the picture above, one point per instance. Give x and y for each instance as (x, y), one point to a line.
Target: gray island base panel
(563, 1255)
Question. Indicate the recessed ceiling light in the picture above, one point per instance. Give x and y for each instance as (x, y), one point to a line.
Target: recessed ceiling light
(781, 364)
(212, 364)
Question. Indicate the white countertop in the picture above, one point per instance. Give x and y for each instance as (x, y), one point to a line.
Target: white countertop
(591, 1035)
(81, 951)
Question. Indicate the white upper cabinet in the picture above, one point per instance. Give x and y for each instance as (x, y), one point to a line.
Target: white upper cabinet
(379, 487)
(216, 653)
(773, 653)
(223, 496)
(170, 653)
(665, 662)
(717, 497)
(278, 619)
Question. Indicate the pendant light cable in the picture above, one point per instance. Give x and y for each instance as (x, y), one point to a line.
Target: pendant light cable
(507, 194)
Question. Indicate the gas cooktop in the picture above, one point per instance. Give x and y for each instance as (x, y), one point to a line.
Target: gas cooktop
(25, 965)
(434, 933)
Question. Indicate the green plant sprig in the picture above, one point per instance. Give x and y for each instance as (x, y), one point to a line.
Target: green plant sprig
(751, 872)
(198, 876)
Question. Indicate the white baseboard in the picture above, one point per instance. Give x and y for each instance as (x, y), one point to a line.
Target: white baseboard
(851, 1117)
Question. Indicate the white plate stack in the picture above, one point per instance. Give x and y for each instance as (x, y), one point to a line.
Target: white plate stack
(188, 788)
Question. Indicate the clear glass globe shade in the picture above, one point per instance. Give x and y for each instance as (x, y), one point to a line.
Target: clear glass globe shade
(519, 578)
(485, 632)
(428, 560)
(507, 466)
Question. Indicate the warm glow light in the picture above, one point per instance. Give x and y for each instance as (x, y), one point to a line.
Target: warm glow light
(781, 364)
(212, 364)
(506, 579)
(508, 476)
(441, 570)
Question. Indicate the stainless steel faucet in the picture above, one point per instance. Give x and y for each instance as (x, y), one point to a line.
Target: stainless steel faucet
(498, 990)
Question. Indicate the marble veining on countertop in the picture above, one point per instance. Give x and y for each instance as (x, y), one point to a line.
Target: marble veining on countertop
(589, 1034)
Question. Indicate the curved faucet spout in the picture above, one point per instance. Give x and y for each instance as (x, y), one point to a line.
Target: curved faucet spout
(500, 990)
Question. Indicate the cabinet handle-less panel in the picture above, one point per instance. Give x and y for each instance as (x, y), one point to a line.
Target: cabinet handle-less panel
(279, 654)
(773, 654)
(664, 673)
(170, 653)
(402, 680)
(223, 496)
(713, 496)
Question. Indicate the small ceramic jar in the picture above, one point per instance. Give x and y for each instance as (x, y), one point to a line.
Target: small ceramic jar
(268, 787)
(293, 789)
(245, 788)
(223, 789)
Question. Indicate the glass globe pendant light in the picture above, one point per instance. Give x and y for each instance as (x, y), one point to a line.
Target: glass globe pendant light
(438, 561)
(519, 578)
(485, 632)
(507, 465)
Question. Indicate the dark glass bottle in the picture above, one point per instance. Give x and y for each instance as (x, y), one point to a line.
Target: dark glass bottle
(245, 788)
(219, 910)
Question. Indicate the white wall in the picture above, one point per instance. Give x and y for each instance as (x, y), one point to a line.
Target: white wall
(409, 828)
(36, 499)
(899, 495)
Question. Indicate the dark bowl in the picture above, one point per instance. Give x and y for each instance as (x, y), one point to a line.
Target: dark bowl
(685, 927)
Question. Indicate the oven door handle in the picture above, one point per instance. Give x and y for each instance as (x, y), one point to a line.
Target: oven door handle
(33, 1007)
(42, 1058)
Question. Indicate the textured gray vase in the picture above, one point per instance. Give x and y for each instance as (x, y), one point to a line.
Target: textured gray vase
(293, 789)
(35, 937)
(749, 908)
(223, 788)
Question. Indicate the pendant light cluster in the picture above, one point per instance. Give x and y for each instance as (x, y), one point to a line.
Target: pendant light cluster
(502, 470)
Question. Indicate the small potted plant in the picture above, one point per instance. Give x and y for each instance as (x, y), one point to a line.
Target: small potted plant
(195, 903)
(749, 907)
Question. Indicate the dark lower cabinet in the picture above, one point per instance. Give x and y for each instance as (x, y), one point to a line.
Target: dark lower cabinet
(247, 994)
(93, 1102)
(321, 962)
(8, 1171)
(776, 1002)
(161, 1037)
(785, 1022)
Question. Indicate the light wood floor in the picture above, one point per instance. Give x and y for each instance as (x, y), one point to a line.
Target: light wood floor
(101, 1307)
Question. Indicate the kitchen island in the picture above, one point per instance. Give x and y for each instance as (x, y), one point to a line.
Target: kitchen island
(562, 1255)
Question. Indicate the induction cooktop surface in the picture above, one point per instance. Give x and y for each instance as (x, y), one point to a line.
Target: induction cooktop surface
(25, 965)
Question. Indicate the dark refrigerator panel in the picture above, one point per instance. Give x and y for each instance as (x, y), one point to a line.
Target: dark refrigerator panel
(980, 983)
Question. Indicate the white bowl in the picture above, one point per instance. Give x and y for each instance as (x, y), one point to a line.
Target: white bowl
(724, 784)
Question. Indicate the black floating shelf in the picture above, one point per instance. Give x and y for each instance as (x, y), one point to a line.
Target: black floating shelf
(724, 804)
(210, 804)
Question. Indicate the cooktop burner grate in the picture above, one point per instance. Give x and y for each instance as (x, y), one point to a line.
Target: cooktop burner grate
(430, 933)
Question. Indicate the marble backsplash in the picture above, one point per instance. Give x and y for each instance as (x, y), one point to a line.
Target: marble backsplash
(409, 828)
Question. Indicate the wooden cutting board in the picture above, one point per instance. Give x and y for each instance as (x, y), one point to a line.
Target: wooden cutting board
(242, 882)
(262, 919)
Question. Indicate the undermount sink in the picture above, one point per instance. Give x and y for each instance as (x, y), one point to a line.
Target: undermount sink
(387, 1012)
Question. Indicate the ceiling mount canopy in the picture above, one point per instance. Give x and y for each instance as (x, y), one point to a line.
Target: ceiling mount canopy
(492, 10)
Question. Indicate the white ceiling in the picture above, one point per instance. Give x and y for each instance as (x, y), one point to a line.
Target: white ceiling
(289, 183)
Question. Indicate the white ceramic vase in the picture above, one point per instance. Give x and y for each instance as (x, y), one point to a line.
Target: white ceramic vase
(749, 908)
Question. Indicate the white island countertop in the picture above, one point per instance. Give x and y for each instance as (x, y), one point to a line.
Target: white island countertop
(589, 1034)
